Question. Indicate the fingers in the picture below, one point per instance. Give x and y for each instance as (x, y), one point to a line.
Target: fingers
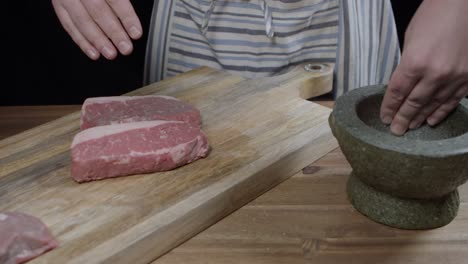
(100, 26)
(398, 89)
(128, 17)
(420, 91)
(441, 96)
(413, 104)
(90, 30)
(427, 85)
(108, 22)
(445, 109)
(75, 34)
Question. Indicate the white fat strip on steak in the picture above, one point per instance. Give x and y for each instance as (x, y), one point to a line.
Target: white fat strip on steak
(124, 99)
(103, 131)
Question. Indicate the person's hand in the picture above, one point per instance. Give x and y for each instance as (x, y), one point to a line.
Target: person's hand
(432, 77)
(100, 26)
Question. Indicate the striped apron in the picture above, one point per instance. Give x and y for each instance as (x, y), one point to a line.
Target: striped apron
(261, 38)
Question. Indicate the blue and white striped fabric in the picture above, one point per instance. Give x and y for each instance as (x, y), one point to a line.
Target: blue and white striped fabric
(262, 38)
(368, 45)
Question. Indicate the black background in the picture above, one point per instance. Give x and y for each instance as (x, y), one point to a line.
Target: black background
(48, 68)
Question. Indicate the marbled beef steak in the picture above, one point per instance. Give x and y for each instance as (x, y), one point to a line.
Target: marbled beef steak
(100, 111)
(133, 148)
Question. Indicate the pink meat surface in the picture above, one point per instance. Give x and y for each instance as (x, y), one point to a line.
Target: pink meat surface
(23, 237)
(134, 148)
(100, 111)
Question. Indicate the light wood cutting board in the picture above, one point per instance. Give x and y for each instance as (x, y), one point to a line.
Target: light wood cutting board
(261, 132)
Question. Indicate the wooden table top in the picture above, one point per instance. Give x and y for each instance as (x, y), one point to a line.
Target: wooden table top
(306, 219)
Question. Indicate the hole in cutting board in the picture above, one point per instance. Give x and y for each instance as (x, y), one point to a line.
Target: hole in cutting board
(320, 81)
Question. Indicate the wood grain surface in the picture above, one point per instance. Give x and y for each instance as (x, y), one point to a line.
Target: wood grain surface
(261, 132)
(322, 226)
(308, 219)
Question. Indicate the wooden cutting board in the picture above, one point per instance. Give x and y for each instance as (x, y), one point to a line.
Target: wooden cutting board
(261, 131)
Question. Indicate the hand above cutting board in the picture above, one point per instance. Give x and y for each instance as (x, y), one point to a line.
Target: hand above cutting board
(100, 27)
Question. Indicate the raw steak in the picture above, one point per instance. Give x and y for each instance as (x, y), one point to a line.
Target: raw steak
(99, 111)
(23, 237)
(133, 148)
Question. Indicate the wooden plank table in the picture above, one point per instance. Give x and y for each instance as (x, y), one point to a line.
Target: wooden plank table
(306, 219)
